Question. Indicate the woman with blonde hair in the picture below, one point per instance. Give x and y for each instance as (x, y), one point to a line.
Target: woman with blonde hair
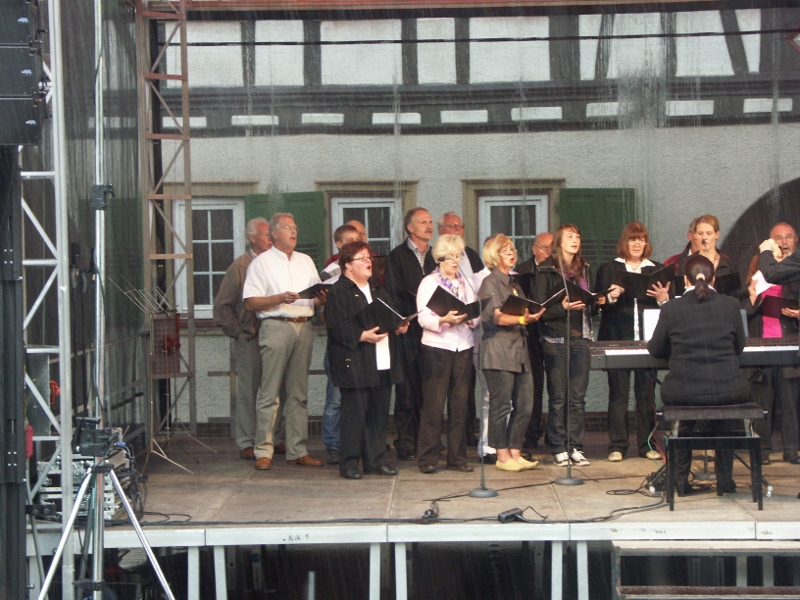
(447, 343)
(504, 357)
(706, 234)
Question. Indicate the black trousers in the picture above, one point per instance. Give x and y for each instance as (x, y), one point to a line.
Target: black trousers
(771, 389)
(408, 396)
(445, 380)
(619, 387)
(535, 430)
(365, 412)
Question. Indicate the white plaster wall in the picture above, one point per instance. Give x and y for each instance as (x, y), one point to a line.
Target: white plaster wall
(372, 64)
(217, 66)
(636, 56)
(698, 56)
(436, 62)
(279, 65)
(678, 172)
(492, 62)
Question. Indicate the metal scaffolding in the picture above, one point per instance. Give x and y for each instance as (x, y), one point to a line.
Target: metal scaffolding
(166, 158)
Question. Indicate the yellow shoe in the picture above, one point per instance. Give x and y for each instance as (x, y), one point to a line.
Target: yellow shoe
(527, 464)
(509, 465)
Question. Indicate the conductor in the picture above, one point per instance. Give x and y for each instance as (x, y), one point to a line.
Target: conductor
(701, 335)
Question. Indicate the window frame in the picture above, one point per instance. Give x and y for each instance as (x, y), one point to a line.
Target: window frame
(236, 204)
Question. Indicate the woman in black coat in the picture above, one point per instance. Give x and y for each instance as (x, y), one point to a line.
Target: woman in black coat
(622, 319)
(363, 364)
(701, 335)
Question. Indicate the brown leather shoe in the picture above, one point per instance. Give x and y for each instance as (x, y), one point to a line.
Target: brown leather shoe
(247, 454)
(263, 464)
(280, 448)
(306, 461)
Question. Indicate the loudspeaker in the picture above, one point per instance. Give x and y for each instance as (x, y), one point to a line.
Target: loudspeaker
(16, 22)
(20, 121)
(19, 71)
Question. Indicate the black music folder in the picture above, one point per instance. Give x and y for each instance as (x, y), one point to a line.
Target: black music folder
(379, 314)
(576, 293)
(729, 284)
(636, 285)
(771, 306)
(310, 292)
(442, 302)
(516, 305)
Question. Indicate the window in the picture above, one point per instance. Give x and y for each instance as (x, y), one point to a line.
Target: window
(520, 217)
(379, 216)
(218, 238)
(379, 205)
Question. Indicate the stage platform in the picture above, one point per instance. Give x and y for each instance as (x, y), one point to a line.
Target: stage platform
(226, 502)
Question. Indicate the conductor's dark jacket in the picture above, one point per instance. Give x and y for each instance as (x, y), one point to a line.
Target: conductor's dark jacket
(702, 342)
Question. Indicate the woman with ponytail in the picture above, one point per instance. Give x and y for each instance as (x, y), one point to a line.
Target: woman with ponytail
(701, 334)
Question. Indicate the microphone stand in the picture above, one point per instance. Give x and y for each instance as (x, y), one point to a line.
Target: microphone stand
(482, 491)
(569, 479)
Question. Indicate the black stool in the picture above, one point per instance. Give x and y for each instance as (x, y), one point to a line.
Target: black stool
(749, 441)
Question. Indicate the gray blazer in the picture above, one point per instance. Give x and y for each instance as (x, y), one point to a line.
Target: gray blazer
(504, 348)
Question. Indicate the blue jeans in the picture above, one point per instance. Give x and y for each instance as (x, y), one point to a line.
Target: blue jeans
(555, 362)
(332, 414)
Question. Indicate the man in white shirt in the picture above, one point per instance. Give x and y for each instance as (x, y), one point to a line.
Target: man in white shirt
(271, 290)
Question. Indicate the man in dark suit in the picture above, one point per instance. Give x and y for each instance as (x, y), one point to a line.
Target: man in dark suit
(541, 248)
(406, 265)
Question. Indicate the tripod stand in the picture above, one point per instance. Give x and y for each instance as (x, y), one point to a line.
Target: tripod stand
(96, 477)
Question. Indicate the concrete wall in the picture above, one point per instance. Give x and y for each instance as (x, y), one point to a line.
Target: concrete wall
(678, 173)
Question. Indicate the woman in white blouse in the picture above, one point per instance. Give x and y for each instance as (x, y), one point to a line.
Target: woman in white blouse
(446, 361)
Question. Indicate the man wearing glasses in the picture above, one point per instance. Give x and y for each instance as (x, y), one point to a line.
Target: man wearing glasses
(406, 265)
(541, 249)
(271, 288)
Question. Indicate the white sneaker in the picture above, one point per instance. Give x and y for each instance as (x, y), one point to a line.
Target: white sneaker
(561, 459)
(615, 457)
(578, 459)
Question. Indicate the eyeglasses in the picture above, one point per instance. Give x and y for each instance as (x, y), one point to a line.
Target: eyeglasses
(453, 259)
(294, 228)
(363, 258)
(453, 226)
(508, 251)
(545, 249)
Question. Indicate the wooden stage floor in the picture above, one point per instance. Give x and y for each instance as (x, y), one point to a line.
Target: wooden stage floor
(227, 491)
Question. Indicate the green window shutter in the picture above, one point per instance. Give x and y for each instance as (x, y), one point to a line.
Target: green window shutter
(601, 213)
(308, 209)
